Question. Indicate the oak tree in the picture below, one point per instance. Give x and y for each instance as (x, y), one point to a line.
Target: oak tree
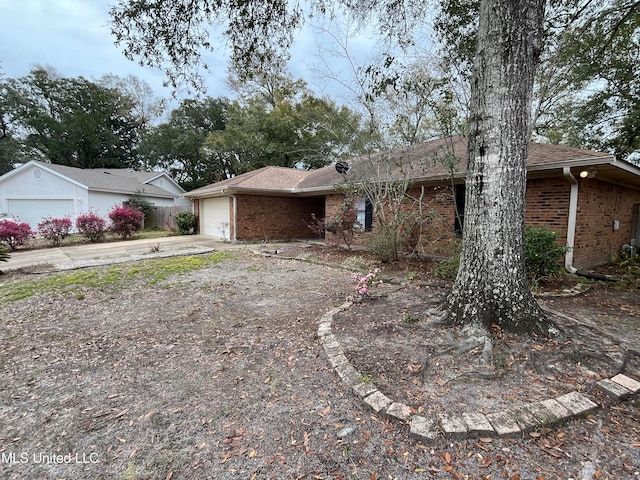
(72, 121)
(491, 286)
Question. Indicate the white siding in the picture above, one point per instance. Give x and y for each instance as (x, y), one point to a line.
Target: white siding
(165, 183)
(34, 193)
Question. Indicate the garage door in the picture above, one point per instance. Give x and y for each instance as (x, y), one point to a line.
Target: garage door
(33, 211)
(214, 217)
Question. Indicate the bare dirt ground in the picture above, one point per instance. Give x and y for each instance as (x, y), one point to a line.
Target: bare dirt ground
(219, 374)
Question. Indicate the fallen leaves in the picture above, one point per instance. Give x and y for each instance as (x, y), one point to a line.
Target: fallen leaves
(445, 456)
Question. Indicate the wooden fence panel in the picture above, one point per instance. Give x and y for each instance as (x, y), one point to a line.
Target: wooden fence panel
(162, 218)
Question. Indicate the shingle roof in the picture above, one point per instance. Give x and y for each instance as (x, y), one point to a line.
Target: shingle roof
(111, 179)
(426, 162)
(422, 163)
(265, 178)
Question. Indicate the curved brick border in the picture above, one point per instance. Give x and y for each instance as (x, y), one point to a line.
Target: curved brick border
(513, 421)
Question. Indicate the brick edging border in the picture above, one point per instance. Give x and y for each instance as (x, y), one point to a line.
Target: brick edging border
(509, 422)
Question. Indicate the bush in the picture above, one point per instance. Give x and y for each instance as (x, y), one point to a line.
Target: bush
(4, 255)
(412, 227)
(15, 233)
(186, 222)
(125, 221)
(139, 202)
(316, 225)
(91, 226)
(448, 268)
(55, 229)
(344, 221)
(541, 252)
(383, 243)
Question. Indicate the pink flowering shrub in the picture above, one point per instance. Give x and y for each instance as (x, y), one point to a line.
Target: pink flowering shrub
(91, 226)
(364, 283)
(15, 233)
(55, 229)
(125, 221)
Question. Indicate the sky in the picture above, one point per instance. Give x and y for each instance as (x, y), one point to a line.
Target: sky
(74, 38)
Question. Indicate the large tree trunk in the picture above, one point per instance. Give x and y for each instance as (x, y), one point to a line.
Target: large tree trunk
(491, 286)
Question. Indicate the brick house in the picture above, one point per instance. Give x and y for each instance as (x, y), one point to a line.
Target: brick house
(589, 198)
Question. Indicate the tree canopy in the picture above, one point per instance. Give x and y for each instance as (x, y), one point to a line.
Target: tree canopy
(176, 145)
(172, 34)
(71, 121)
(274, 121)
(600, 56)
(586, 92)
(282, 123)
(10, 151)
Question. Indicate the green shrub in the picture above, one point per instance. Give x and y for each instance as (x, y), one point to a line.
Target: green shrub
(4, 254)
(139, 202)
(383, 243)
(448, 268)
(542, 252)
(186, 222)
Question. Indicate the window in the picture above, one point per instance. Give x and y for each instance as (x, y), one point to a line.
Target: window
(364, 210)
(459, 192)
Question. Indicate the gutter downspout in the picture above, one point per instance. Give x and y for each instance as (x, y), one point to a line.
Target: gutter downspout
(573, 214)
(232, 238)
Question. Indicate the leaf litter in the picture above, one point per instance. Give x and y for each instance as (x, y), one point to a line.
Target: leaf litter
(218, 374)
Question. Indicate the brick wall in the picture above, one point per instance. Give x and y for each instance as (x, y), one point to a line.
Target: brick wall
(599, 205)
(262, 217)
(547, 204)
(437, 232)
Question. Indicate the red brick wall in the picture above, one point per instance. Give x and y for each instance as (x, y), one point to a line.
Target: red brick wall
(262, 217)
(599, 205)
(437, 232)
(547, 204)
(331, 205)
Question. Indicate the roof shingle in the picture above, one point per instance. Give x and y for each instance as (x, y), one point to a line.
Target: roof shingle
(421, 162)
(110, 179)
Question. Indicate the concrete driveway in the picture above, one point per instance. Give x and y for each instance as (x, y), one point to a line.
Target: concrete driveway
(86, 255)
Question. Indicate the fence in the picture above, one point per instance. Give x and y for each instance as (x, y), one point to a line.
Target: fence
(162, 218)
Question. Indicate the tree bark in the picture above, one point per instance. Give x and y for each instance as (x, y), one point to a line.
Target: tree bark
(491, 286)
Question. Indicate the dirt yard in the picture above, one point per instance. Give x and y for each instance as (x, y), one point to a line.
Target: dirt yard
(218, 373)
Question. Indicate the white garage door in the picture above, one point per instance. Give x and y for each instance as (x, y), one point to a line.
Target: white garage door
(214, 217)
(33, 211)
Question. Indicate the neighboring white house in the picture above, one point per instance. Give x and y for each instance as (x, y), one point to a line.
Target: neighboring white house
(37, 189)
